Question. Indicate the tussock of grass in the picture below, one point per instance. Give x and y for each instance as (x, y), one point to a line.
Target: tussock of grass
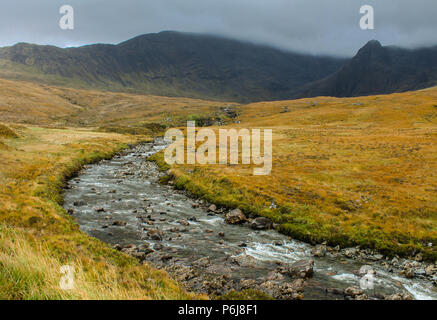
(37, 237)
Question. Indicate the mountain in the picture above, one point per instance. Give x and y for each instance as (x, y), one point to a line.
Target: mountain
(378, 70)
(171, 64)
(215, 68)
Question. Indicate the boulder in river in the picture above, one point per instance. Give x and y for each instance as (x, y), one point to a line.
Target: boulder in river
(244, 260)
(283, 291)
(212, 208)
(261, 223)
(430, 270)
(119, 223)
(184, 222)
(79, 203)
(351, 252)
(302, 269)
(235, 216)
(202, 262)
(399, 296)
(248, 284)
(353, 292)
(155, 234)
(319, 251)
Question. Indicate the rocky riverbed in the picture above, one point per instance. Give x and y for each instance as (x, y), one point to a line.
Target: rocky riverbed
(214, 251)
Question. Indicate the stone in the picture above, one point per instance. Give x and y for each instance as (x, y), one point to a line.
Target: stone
(235, 217)
(119, 223)
(261, 223)
(202, 263)
(350, 252)
(302, 269)
(184, 223)
(155, 234)
(378, 257)
(117, 247)
(247, 284)
(430, 270)
(244, 260)
(212, 208)
(409, 272)
(319, 251)
(399, 296)
(274, 276)
(353, 292)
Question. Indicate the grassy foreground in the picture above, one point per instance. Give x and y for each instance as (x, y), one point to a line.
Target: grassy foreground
(359, 171)
(37, 237)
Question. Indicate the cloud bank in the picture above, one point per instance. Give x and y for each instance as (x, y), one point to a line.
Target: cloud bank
(312, 26)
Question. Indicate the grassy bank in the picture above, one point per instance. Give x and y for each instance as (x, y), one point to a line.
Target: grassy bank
(358, 171)
(37, 236)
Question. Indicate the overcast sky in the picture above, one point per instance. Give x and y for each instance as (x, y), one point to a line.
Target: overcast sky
(313, 26)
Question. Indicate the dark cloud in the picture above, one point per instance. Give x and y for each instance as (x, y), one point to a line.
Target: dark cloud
(315, 26)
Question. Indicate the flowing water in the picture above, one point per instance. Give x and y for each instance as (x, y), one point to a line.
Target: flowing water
(128, 189)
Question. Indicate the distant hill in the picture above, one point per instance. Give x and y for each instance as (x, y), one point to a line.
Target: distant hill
(209, 67)
(378, 70)
(172, 64)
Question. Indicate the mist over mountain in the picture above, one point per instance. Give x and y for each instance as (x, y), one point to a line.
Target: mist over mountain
(178, 64)
(211, 67)
(378, 70)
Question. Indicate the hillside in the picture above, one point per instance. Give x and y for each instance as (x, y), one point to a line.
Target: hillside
(35, 104)
(38, 237)
(378, 70)
(208, 67)
(171, 64)
(350, 171)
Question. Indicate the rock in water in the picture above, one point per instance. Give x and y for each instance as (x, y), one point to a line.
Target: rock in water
(319, 251)
(244, 261)
(353, 292)
(202, 263)
(155, 234)
(261, 223)
(118, 223)
(235, 217)
(399, 296)
(302, 269)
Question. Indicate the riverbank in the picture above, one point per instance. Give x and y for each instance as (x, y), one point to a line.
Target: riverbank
(123, 202)
(351, 172)
(38, 237)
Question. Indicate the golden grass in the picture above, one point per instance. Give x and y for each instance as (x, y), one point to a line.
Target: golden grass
(6, 132)
(30, 103)
(37, 237)
(350, 171)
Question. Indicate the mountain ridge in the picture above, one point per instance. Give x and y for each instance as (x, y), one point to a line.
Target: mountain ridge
(215, 68)
(176, 64)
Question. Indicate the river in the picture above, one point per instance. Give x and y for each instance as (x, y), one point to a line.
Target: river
(120, 200)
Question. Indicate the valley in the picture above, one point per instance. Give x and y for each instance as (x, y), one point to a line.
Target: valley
(346, 172)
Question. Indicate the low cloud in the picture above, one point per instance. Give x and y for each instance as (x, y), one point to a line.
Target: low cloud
(313, 26)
